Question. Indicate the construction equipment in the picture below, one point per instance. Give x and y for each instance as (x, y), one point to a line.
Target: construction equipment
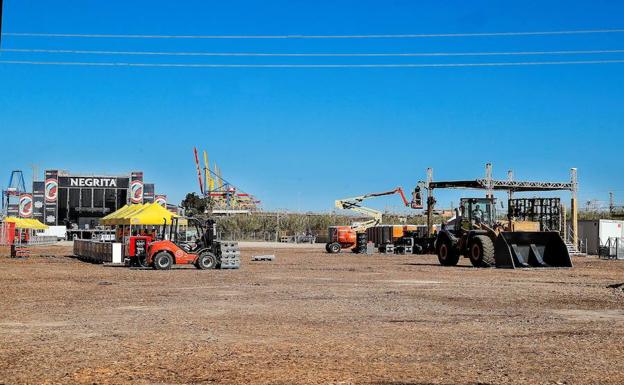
(202, 249)
(354, 236)
(476, 234)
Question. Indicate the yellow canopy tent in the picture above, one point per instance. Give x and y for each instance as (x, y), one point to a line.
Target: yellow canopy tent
(117, 217)
(106, 220)
(151, 214)
(25, 223)
(111, 215)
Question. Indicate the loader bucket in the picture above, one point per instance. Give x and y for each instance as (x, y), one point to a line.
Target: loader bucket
(531, 249)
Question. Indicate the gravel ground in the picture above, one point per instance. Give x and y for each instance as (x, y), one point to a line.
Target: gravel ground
(310, 318)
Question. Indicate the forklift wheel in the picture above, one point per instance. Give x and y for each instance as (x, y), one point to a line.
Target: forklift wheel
(163, 261)
(206, 261)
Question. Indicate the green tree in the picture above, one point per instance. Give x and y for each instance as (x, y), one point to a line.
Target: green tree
(194, 204)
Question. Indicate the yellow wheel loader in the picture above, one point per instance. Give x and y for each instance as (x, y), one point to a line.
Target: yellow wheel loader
(475, 234)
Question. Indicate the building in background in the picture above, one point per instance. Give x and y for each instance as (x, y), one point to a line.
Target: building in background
(78, 200)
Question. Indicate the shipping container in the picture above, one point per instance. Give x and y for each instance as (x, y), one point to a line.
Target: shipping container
(387, 234)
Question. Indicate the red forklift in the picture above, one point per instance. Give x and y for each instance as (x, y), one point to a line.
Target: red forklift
(195, 244)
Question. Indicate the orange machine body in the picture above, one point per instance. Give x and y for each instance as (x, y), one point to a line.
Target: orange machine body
(344, 235)
(180, 257)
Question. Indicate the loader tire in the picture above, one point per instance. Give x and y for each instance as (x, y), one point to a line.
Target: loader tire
(163, 261)
(481, 251)
(447, 254)
(334, 248)
(206, 261)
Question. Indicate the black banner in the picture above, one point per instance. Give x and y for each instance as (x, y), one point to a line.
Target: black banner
(148, 193)
(38, 200)
(51, 197)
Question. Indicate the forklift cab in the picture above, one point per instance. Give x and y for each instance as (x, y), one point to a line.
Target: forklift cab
(475, 211)
(192, 237)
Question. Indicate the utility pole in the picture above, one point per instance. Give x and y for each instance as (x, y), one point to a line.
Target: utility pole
(34, 168)
(611, 203)
(488, 177)
(430, 202)
(573, 207)
(510, 177)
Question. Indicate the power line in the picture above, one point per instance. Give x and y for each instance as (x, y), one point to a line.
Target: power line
(368, 36)
(186, 65)
(270, 54)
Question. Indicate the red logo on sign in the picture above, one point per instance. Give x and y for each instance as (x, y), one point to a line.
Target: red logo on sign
(136, 191)
(51, 190)
(25, 206)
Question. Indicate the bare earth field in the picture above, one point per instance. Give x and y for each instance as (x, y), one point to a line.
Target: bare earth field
(310, 318)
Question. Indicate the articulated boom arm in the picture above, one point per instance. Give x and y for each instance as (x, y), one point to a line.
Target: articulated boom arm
(354, 204)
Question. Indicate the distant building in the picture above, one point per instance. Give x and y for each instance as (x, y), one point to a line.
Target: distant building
(80, 200)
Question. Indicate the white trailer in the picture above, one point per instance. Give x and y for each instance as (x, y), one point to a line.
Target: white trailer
(598, 232)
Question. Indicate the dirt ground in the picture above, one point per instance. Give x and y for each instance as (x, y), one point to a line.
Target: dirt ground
(310, 318)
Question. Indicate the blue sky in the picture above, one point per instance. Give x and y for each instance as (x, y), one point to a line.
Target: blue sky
(300, 138)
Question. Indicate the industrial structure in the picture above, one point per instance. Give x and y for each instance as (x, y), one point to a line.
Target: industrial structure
(510, 186)
(14, 194)
(222, 196)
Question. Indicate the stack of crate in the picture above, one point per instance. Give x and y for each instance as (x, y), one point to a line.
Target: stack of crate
(229, 255)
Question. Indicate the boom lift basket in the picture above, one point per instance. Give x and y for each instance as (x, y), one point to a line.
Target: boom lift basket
(531, 249)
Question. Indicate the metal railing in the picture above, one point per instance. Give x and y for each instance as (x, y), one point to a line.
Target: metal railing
(42, 240)
(613, 248)
(582, 245)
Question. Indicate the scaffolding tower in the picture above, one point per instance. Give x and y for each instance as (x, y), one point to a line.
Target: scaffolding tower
(10, 196)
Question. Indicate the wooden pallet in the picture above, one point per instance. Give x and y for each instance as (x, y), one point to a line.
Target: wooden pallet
(263, 257)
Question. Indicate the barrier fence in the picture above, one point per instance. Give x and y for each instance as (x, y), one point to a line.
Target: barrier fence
(41, 240)
(98, 252)
(272, 236)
